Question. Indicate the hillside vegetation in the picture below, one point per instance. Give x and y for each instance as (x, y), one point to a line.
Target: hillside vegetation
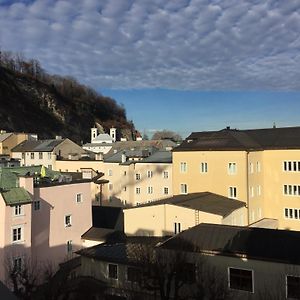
(36, 102)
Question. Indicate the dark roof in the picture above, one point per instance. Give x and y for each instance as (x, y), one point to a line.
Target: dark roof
(204, 201)
(5, 293)
(160, 156)
(37, 145)
(124, 252)
(233, 139)
(106, 216)
(255, 243)
(97, 234)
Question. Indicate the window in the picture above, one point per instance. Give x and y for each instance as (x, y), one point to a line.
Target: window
(258, 167)
(165, 174)
(68, 221)
(177, 227)
(23, 155)
(183, 167)
(69, 247)
(125, 173)
(232, 168)
(137, 176)
(18, 210)
(292, 213)
(291, 190)
(110, 172)
(203, 167)
(32, 155)
(36, 205)
(113, 271)
(149, 174)
(17, 264)
(166, 190)
(137, 190)
(79, 198)
(17, 234)
(110, 186)
(232, 192)
(133, 274)
(240, 279)
(291, 166)
(258, 190)
(150, 190)
(251, 169)
(292, 287)
(125, 188)
(49, 155)
(251, 191)
(183, 188)
(40, 155)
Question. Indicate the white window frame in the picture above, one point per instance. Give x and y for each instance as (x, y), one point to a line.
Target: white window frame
(232, 168)
(68, 224)
(183, 167)
(166, 174)
(203, 167)
(251, 168)
(32, 155)
(79, 198)
(183, 188)
(252, 277)
(258, 167)
(231, 191)
(149, 174)
(110, 172)
(258, 190)
(41, 155)
(138, 176)
(251, 191)
(49, 155)
(166, 190)
(150, 189)
(110, 187)
(18, 210)
(18, 240)
(138, 190)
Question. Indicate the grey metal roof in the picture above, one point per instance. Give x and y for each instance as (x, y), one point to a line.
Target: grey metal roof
(233, 139)
(37, 146)
(160, 156)
(204, 201)
(256, 243)
(144, 144)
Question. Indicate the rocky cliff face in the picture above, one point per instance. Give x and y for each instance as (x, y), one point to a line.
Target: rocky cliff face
(55, 106)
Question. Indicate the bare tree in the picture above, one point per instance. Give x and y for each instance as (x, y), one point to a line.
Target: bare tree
(166, 134)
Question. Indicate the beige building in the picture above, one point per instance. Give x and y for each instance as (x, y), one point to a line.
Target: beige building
(137, 177)
(10, 140)
(173, 215)
(260, 167)
(46, 152)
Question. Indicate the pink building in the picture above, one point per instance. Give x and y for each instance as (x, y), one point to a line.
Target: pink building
(41, 219)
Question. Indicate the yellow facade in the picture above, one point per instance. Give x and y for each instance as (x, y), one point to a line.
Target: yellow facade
(259, 178)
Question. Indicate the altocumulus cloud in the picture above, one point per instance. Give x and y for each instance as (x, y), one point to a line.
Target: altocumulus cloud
(176, 44)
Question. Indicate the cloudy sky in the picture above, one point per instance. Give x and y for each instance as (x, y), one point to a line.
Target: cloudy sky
(151, 51)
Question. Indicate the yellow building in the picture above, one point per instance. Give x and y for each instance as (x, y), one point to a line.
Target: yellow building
(10, 140)
(260, 167)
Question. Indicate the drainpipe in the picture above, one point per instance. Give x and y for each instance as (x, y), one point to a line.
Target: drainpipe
(247, 187)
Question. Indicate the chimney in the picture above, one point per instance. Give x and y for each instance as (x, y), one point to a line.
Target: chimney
(228, 127)
(123, 158)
